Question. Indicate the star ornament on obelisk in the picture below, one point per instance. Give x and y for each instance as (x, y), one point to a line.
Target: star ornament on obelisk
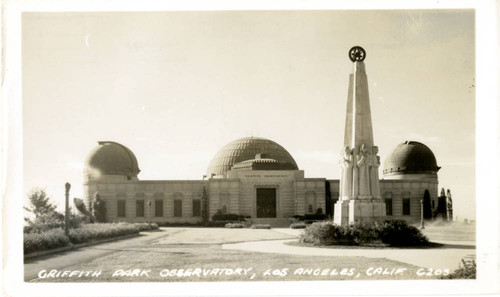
(359, 161)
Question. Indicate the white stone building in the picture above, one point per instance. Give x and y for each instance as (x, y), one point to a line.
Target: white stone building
(259, 179)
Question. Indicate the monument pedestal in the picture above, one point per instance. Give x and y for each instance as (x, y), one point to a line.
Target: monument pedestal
(359, 210)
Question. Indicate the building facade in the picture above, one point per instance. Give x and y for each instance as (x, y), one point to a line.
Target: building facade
(254, 177)
(259, 179)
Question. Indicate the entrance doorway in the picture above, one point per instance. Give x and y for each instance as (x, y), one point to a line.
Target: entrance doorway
(266, 202)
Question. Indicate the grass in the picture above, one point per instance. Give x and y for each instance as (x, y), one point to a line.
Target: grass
(157, 258)
(195, 248)
(192, 248)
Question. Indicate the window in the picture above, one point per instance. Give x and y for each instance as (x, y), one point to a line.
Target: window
(158, 208)
(121, 208)
(388, 206)
(196, 208)
(406, 206)
(224, 209)
(388, 203)
(310, 208)
(139, 209)
(433, 205)
(177, 208)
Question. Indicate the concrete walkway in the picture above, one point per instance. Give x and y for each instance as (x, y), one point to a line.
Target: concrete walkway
(446, 257)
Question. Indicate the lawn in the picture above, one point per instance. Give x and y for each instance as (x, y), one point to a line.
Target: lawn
(194, 250)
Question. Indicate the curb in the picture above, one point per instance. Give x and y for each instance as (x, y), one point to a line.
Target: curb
(77, 246)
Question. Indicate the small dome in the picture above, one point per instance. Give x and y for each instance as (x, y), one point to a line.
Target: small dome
(247, 148)
(113, 159)
(411, 157)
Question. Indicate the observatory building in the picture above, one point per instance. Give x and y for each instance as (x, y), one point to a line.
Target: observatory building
(258, 178)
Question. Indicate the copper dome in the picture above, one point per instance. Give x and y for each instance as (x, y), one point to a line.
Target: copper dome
(112, 158)
(410, 157)
(247, 148)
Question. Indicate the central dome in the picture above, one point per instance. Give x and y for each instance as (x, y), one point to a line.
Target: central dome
(247, 148)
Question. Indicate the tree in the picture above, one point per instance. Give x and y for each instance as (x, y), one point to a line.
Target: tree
(46, 216)
(40, 204)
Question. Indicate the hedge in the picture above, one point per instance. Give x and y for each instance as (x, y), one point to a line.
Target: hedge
(49, 239)
(393, 233)
(56, 238)
(228, 217)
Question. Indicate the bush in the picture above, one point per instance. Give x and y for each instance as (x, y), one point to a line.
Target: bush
(92, 232)
(233, 225)
(146, 226)
(51, 239)
(261, 226)
(467, 270)
(298, 226)
(228, 217)
(398, 233)
(315, 217)
(394, 233)
(53, 220)
(55, 238)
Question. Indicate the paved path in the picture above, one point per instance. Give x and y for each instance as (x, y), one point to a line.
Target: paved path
(449, 256)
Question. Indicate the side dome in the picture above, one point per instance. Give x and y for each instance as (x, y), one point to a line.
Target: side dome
(248, 148)
(410, 157)
(112, 158)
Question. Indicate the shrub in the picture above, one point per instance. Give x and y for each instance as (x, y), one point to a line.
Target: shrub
(298, 226)
(233, 225)
(92, 232)
(227, 217)
(261, 226)
(310, 218)
(55, 238)
(53, 220)
(146, 226)
(399, 233)
(467, 270)
(50, 239)
(394, 233)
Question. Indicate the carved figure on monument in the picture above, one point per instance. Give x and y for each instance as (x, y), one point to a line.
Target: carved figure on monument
(363, 162)
(355, 173)
(347, 166)
(374, 178)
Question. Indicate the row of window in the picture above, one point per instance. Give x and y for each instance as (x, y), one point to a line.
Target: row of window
(406, 206)
(158, 208)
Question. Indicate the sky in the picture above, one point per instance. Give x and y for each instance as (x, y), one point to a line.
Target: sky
(175, 87)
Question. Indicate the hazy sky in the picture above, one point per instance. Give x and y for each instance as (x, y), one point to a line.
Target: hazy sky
(175, 87)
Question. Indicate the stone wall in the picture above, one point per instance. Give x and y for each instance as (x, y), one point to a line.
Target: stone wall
(412, 189)
(149, 191)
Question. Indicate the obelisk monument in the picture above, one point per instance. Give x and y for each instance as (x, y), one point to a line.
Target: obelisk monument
(360, 198)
